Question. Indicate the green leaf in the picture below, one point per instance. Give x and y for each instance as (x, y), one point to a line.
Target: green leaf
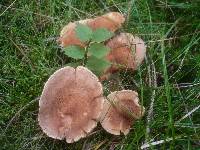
(74, 64)
(83, 32)
(98, 50)
(101, 34)
(98, 66)
(75, 52)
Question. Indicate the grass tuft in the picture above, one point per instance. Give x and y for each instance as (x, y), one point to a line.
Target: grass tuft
(29, 54)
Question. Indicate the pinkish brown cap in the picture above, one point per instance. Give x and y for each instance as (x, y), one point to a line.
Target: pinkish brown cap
(119, 112)
(126, 50)
(70, 104)
(111, 21)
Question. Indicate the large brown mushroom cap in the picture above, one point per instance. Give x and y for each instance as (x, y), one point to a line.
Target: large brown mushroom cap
(70, 104)
(120, 111)
(111, 21)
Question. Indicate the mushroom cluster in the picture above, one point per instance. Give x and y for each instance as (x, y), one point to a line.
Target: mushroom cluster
(127, 50)
(72, 101)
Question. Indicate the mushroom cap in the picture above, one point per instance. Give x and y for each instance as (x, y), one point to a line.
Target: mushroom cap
(126, 50)
(111, 21)
(114, 117)
(70, 104)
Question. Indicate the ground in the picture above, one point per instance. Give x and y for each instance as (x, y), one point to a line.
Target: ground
(168, 81)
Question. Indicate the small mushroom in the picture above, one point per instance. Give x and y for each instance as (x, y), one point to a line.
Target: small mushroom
(111, 21)
(126, 50)
(70, 104)
(120, 110)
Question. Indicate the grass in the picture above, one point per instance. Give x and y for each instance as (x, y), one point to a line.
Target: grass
(168, 82)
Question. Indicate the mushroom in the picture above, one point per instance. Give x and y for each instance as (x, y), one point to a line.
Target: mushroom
(70, 104)
(120, 111)
(111, 21)
(126, 50)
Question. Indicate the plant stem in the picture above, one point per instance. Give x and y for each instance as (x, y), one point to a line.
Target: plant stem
(86, 54)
